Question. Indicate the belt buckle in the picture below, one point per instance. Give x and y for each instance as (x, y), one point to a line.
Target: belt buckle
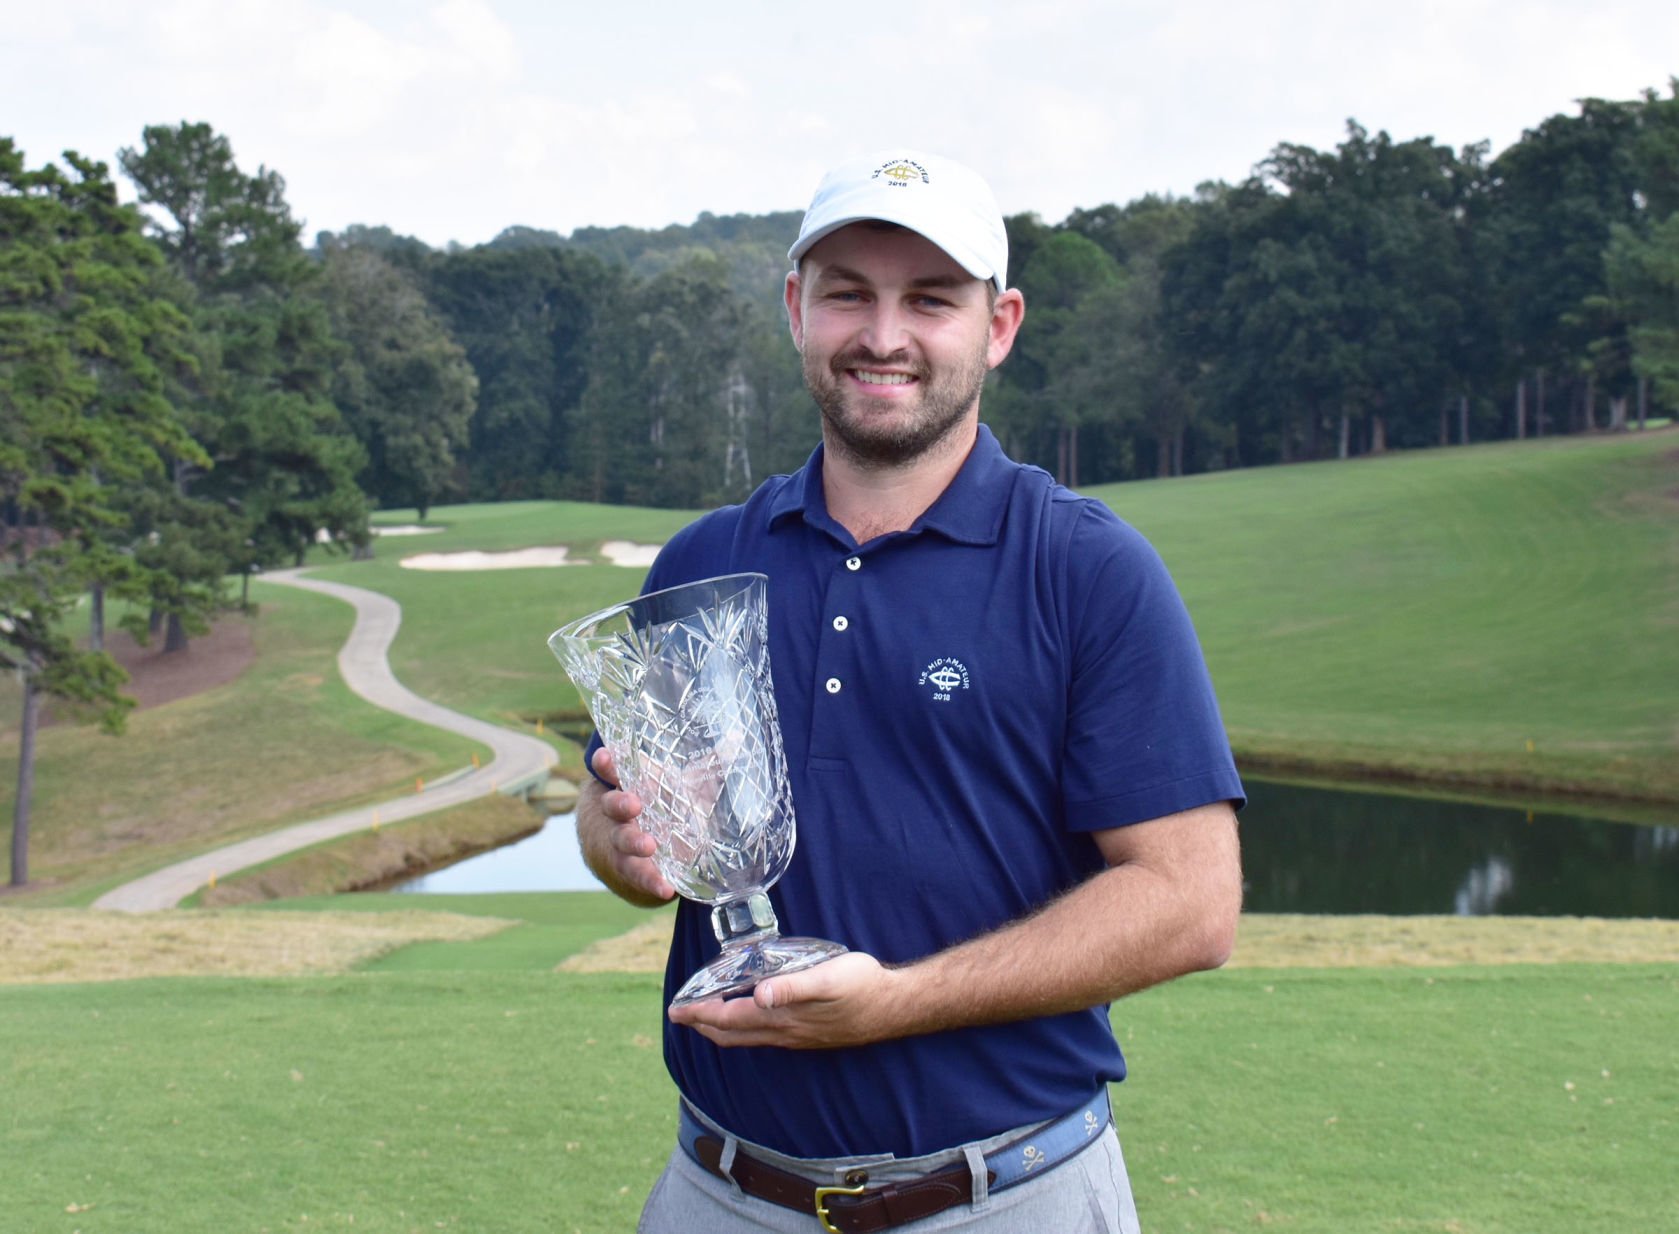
(822, 1194)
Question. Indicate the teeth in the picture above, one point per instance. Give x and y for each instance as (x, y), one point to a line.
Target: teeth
(882, 379)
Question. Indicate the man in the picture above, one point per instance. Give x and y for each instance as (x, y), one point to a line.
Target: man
(1014, 796)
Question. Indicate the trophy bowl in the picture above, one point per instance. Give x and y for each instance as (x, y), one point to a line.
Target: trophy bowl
(678, 684)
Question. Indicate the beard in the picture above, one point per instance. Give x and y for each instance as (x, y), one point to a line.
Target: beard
(854, 423)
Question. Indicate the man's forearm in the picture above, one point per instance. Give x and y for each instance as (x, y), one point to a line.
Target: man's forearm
(1123, 930)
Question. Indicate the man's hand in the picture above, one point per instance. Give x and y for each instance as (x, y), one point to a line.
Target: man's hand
(614, 846)
(848, 1000)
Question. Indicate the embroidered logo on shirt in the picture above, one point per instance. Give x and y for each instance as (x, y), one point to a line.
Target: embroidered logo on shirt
(946, 676)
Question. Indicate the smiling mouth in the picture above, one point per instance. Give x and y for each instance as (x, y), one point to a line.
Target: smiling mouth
(882, 379)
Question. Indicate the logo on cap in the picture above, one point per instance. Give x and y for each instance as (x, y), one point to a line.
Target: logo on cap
(900, 172)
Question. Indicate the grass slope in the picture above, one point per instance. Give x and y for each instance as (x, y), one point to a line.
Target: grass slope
(1433, 613)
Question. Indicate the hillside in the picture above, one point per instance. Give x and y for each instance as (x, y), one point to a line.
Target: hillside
(1495, 615)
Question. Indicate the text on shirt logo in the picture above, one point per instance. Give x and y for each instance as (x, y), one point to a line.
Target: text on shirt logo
(946, 676)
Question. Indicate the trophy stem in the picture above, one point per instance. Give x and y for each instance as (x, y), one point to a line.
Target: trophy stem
(753, 949)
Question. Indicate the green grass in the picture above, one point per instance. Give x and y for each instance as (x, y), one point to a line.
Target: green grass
(468, 1086)
(1474, 1101)
(398, 1102)
(1435, 612)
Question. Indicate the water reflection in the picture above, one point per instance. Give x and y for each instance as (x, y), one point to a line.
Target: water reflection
(1483, 887)
(1315, 850)
(546, 860)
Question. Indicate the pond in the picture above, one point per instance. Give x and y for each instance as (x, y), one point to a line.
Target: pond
(1318, 850)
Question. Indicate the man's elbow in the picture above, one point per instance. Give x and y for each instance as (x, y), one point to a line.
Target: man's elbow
(1219, 925)
(1215, 932)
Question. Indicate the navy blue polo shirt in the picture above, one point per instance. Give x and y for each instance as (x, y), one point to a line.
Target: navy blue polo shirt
(961, 703)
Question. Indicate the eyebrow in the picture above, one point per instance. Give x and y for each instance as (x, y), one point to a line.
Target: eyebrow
(930, 282)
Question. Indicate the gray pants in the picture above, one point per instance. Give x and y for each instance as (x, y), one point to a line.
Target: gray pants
(1089, 1192)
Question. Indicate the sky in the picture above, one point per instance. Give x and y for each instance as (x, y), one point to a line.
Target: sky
(453, 119)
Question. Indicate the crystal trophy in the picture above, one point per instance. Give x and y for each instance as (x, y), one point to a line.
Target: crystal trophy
(678, 685)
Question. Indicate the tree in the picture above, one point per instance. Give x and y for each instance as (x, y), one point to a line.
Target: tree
(1545, 221)
(1325, 293)
(284, 463)
(1643, 276)
(523, 318)
(1053, 395)
(662, 407)
(86, 346)
(405, 387)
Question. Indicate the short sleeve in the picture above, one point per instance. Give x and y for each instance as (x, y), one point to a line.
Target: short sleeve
(1144, 735)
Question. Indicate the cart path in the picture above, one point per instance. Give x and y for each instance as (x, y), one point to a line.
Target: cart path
(517, 760)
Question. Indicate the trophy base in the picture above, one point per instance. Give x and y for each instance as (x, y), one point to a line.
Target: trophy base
(747, 961)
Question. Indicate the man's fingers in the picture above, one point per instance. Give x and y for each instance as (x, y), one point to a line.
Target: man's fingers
(632, 841)
(823, 981)
(620, 806)
(604, 766)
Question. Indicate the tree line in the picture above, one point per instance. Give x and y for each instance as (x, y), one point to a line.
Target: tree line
(189, 392)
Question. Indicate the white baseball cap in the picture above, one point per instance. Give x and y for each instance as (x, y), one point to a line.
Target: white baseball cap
(942, 200)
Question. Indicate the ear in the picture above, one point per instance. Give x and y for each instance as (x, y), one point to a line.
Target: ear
(1006, 316)
(795, 311)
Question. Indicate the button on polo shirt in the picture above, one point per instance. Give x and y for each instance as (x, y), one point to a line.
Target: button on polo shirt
(957, 702)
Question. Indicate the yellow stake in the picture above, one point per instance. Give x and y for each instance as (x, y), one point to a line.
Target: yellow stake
(376, 820)
(419, 784)
(212, 880)
(1530, 745)
(539, 726)
(475, 760)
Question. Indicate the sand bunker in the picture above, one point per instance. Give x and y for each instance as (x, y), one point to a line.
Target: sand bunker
(618, 552)
(623, 553)
(406, 529)
(518, 559)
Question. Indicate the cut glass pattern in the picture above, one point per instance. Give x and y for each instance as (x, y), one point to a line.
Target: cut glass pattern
(678, 684)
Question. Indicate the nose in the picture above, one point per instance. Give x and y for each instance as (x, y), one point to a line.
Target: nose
(886, 331)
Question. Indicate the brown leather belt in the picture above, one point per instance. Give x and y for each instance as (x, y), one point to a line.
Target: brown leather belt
(848, 1210)
(859, 1209)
